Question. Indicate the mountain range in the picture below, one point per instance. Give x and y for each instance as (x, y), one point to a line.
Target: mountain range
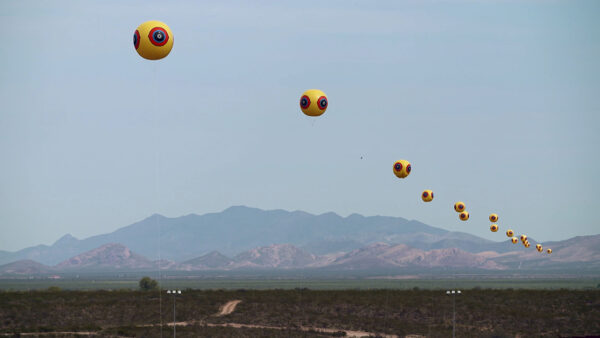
(240, 228)
(378, 256)
(249, 238)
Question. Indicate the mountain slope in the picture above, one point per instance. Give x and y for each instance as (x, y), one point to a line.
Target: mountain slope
(25, 267)
(383, 255)
(275, 256)
(581, 252)
(212, 260)
(109, 256)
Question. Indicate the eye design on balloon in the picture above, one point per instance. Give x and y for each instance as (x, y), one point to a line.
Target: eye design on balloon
(398, 166)
(136, 39)
(322, 102)
(408, 168)
(158, 36)
(304, 102)
(425, 194)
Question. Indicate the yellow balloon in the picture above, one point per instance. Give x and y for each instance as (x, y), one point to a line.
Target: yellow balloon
(526, 244)
(493, 228)
(523, 238)
(153, 40)
(427, 196)
(549, 251)
(493, 218)
(509, 233)
(514, 240)
(459, 207)
(402, 168)
(464, 216)
(313, 102)
(539, 247)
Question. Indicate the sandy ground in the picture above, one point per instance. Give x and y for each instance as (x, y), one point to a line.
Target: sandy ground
(228, 308)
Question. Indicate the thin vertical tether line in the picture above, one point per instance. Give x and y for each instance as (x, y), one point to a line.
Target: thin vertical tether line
(156, 174)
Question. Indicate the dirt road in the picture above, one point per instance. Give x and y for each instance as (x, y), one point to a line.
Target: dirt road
(228, 308)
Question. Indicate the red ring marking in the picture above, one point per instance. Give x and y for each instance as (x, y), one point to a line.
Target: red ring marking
(319, 103)
(158, 43)
(137, 40)
(307, 100)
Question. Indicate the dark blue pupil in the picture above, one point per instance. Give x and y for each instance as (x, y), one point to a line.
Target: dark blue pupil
(159, 36)
(303, 102)
(134, 39)
(398, 166)
(408, 168)
(323, 103)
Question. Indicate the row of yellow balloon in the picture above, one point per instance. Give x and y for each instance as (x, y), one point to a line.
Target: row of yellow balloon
(463, 214)
(510, 233)
(153, 40)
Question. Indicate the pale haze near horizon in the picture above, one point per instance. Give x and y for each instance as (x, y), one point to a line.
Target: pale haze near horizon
(494, 103)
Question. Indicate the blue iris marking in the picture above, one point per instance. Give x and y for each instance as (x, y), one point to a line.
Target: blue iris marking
(134, 39)
(398, 166)
(159, 36)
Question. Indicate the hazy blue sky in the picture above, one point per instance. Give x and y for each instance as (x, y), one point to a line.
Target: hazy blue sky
(494, 103)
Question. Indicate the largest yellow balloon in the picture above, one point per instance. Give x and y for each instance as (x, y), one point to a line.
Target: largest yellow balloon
(153, 40)
(402, 168)
(313, 102)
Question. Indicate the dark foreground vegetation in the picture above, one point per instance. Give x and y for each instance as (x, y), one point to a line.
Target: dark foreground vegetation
(479, 312)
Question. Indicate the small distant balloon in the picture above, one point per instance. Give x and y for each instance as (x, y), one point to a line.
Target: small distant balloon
(427, 196)
(153, 40)
(514, 240)
(510, 233)
(549, 251)
(459, 207)
(493, 227)
(523, 238)
(313, 102)
(464, 216)
(493, 218)
(539, 248)
(402, 168)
